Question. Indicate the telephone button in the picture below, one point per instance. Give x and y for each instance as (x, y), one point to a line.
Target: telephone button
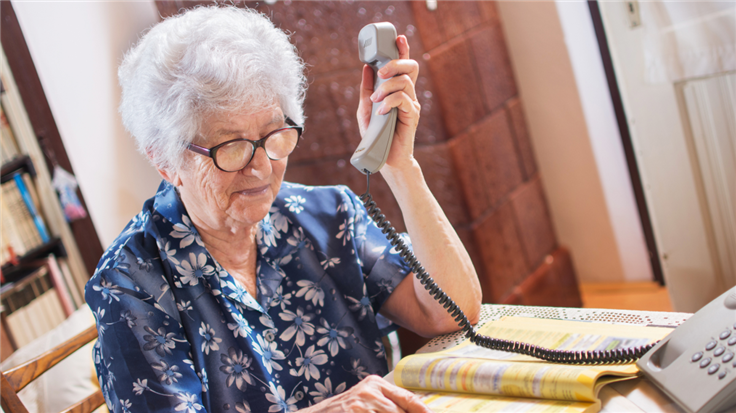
(722, 374)
(732, 341)
(726, 334)
(713, 369)
(704, 363)
(727, 357)
(711, 345)
(719, 351)
(697, 356)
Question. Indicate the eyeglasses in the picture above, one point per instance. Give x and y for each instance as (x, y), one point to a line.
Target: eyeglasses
(234, 155)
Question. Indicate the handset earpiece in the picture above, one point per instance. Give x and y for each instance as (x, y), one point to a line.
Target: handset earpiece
(376, 47)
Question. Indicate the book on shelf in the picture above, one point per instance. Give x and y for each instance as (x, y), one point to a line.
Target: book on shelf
(23, 227)
(7, 139)
(32, 306)
(471, 378)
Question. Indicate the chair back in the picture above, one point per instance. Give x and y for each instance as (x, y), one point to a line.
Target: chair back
(15, 379)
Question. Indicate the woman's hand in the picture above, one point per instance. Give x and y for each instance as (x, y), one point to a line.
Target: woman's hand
(397, 92)
(373, 394)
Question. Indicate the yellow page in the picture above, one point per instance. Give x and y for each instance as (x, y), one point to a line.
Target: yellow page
(557, 335)
(464, 403)
(502, 378)
(468, 368)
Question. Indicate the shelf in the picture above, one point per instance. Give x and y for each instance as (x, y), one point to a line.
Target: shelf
(18, 164)
(27, 263)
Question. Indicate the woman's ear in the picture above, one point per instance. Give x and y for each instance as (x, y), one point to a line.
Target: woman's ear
(171, 176)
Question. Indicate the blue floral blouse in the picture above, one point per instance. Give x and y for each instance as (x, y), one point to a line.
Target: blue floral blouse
(178, 333)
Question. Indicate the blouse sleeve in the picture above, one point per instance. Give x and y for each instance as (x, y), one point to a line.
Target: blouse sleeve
(383, 267)
(143, 358)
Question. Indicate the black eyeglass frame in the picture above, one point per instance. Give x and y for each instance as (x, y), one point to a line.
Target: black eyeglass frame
(260, 143)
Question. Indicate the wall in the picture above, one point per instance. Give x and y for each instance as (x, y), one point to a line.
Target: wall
(573, 130)
(76, 48)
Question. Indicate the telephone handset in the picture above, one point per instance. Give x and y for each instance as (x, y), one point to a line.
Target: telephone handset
(377, 46)
(376, 42)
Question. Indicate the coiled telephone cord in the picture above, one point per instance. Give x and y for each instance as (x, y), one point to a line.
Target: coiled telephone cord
(615, 356)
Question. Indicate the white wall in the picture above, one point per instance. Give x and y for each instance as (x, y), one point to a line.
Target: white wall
(76, 48)
(576, 141)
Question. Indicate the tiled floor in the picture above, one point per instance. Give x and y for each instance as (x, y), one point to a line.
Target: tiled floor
(647, 296)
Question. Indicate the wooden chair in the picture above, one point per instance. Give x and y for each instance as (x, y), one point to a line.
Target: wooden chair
(13, 380)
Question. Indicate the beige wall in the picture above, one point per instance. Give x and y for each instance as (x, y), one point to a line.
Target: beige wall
(588, 189)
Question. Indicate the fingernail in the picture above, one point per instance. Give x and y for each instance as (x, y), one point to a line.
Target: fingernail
(382, 71)
(373, 96)
(381, 109)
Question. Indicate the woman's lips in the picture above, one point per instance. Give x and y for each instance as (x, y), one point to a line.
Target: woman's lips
(255, 191)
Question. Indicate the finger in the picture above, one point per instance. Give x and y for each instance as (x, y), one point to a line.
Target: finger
(400, 67)
(404, 399)
(401, 101)
(403, 46)
(400, 83)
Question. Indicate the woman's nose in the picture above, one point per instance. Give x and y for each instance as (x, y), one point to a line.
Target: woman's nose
(260, 165)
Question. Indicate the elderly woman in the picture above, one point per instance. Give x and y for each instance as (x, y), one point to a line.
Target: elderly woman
(232, 290)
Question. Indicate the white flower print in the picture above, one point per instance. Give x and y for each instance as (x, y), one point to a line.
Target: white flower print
(294, 203)
(168, 252)
(108, 290)
(205, 381)
(185, 231)
(300, 327)
(380, 349)
(99, 313)
(125, 405)
(362, 306)
(309, 362)
(188, 403)
(278, 220)
(235, 365)
(210, 341)
(239, 291)
(240, 326)
(329, 262)
(280, 298)
(311, 291)
(266, 234)
(194, 268)
(279, 400)
(269, 352)
(242, 407)
(139, 386)
(346, 231)
(167, 374)
(357, 369)
(160, 340)
(299, 240)
(334, 338)
(325, 391)
(184, 306)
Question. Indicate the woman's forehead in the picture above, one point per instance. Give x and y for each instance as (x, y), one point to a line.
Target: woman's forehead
(242, 122)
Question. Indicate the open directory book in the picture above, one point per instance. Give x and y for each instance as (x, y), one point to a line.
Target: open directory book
(468, 378)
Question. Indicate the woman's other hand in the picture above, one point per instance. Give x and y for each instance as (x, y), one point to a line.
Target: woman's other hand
(373, 394)
(398, 92)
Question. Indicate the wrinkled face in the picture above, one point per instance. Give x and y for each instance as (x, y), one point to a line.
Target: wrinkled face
(226, 200)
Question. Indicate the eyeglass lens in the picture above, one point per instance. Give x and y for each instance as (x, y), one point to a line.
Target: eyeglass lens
(235, 155)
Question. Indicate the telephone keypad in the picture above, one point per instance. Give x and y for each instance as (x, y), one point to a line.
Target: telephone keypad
(726, 334)
(727, 357)
(697, 356)
(713, 369)
(719, 351)
(704, 363)
(711, 345)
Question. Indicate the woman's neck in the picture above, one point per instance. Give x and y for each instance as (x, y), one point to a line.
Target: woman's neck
(234, 247)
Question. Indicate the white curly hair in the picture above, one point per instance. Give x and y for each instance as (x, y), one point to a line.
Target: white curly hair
(204, 61)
